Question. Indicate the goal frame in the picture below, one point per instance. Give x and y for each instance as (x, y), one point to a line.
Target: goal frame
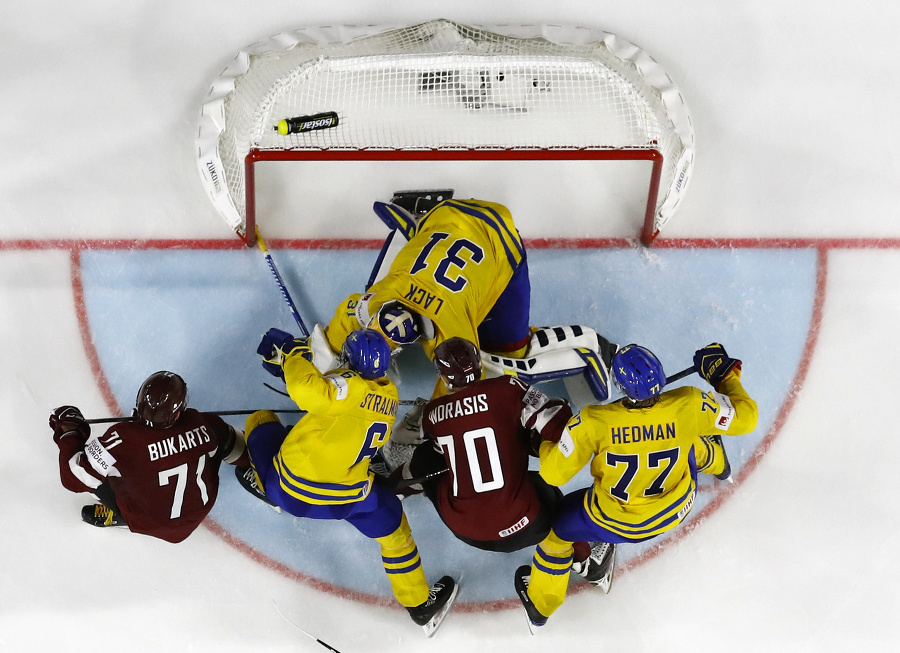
(648, 231)
(228, 155)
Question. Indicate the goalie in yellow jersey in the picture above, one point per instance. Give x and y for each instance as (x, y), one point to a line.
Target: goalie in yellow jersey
(320, 468)
(644, 451)
(461, 270)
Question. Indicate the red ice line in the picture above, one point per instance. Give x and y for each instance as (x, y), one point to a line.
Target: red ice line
(821, 245)
(533, 243)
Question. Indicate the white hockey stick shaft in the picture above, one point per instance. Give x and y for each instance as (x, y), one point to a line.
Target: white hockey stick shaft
(308, 634)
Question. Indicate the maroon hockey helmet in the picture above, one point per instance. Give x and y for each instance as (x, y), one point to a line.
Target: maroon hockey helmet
(458, 362)
(161, 400)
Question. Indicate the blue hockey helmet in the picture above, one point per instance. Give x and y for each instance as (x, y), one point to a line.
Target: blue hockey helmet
(398, 323)
(366, 351)
(638, 372)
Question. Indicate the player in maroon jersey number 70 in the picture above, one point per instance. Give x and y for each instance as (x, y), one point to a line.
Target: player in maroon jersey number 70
(158, 473)
(482, 433)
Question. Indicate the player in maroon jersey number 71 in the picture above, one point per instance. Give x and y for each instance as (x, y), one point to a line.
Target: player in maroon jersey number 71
(158, 473)
(482, 433)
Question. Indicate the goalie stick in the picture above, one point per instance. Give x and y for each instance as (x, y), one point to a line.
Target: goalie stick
(284, 291)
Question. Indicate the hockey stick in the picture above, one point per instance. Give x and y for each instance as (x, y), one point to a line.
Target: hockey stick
(108, 420)
(284, 291)
(680, 375)
(310, 635)
(402, 402)
(404, 483)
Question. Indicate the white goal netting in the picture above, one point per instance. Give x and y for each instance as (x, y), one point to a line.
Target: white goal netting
(444, 89)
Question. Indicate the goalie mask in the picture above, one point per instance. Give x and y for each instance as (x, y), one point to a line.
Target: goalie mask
(638, 373)
(458, 362)
(399, 324)
(161, 400)
(367, 352)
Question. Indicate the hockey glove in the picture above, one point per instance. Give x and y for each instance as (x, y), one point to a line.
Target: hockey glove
(714, 364)
(68, 420)
(275, 345)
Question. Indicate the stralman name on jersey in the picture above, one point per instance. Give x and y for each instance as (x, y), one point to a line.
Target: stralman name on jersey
(458, 408)
(379, 404)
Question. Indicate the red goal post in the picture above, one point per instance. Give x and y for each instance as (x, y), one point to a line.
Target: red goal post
(441, 91)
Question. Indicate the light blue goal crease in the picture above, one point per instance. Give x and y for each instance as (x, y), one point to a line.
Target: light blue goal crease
(202, 313)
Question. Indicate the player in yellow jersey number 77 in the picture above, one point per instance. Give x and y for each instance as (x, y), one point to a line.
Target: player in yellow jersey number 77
(644, 452)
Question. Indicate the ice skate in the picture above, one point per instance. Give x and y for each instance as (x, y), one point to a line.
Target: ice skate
(99, 515)
(247, 478)
(599, 567)
(535, 618)
(431, 614)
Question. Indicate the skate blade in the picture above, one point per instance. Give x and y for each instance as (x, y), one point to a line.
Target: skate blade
(533, 628)
(435, 622)
(605, 583)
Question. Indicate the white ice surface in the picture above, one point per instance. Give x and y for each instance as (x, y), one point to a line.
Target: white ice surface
(794, 106)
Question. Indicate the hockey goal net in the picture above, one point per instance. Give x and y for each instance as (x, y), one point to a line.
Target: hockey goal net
(442, 91)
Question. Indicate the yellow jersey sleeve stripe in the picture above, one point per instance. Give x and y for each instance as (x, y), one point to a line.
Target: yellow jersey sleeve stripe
(314, 492)
(658, 523)
(489, 217)
(502, 226)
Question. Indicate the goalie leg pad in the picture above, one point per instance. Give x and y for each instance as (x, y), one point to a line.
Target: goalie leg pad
(562, 337)
(396, 218)
(392, 246)
(595, 373)
(553, 364)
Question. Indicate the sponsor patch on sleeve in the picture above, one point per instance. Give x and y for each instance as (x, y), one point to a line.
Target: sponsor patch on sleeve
(566, 444)
(101, 460)
(340, 383)
(362, 309)
(534, 398)
(726, 411)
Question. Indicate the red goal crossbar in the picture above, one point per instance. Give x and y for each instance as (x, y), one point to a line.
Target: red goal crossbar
(648, 232)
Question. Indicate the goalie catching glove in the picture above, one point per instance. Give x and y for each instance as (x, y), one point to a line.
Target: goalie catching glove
(714, 364)
(276, 345)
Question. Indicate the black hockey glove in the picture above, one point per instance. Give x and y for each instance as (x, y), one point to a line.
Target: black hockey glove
(275, 345)
(714, 364)
(68, 420)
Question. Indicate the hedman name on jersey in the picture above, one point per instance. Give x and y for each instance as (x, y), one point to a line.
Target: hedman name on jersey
(635, 434)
